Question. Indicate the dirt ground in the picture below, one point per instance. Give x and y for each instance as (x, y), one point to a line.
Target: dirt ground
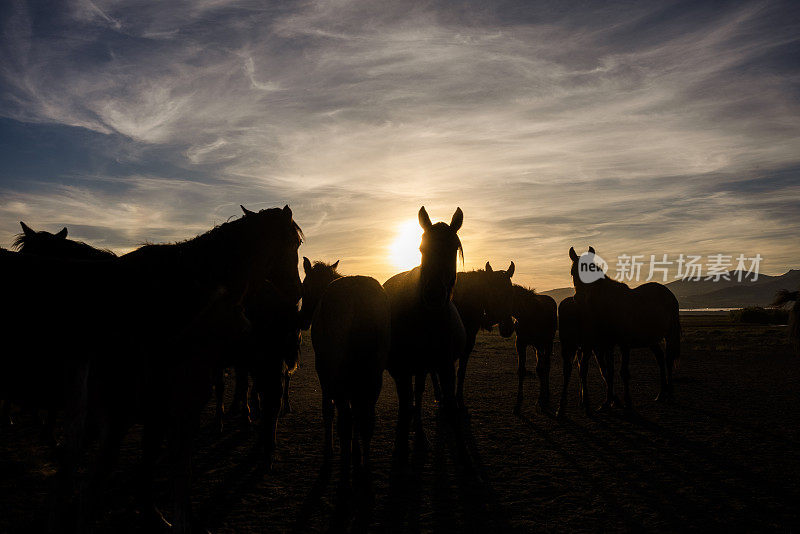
(724, 455)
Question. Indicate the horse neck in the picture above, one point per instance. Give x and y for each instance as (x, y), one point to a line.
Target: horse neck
(520, 297)
(607, 289)
(469, 294)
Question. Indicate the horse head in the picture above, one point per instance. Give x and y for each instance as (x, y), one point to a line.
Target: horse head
(56, 245)
(268, 240)
(440, 247)
(318, 277)
(579, 284)
(499, 293)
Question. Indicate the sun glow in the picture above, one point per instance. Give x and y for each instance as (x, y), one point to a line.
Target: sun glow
(404, 250)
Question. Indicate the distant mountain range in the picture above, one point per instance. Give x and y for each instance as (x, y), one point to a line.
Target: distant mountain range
(722, 294)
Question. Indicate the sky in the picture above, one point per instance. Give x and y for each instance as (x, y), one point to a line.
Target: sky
(636, 127)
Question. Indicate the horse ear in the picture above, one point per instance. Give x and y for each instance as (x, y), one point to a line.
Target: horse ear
(572, 255)
(424, 220)
(25, 229)
(62, 234)
(287, 211)
(458, 219)
(510, 271)
(591, 249)
(335, 265)
(306, 265)
(246, 211)
(488, 267)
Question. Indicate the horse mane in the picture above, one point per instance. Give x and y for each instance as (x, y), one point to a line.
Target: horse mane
(220, 233)
(527, 289)
(22, 240)
(327, 267)
(610, 283)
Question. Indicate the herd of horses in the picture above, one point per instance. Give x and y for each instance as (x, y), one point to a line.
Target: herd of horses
(105, 342)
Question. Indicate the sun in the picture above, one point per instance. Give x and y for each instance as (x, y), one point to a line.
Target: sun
(404, 250)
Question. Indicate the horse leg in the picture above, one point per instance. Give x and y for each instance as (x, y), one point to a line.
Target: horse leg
(567, 356)
(437, 388)
(419, 390)
(48, 431)
(345, 429)
(662, 372)
(605, 358)
(543, 355)
(327, 424)
(355, 411)
(583, 368)
(462, 370)
(366, 413)
(462, 373)
(271, 394)
(625, 373)
(181, 434)
(403, 386)
(240, 395)
(521, 349)
(152, 437)
(75, 416)
(112, 432)
(286, 408)
(219, 393)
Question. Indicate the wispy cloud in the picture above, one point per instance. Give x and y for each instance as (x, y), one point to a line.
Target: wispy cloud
(641, 129)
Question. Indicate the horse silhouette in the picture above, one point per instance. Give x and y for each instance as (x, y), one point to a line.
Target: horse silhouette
(157, 306)
(273, 351)
(783, 298)
(267, 352)
(427, 332)
(350, 332)
(483, 299)
(536, 327)
(574, 346)
(42, 243)
(616, 315)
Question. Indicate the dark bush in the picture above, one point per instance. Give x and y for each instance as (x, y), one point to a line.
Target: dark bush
(759, 315)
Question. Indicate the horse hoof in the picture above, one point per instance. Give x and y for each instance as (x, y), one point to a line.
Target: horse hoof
(560, 413)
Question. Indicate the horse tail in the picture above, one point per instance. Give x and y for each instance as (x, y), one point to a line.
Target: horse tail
(673, 339)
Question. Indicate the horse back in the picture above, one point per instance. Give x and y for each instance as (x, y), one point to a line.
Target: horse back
(641, 316)
(537, 317)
